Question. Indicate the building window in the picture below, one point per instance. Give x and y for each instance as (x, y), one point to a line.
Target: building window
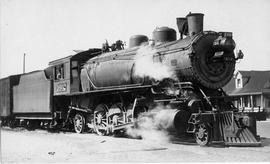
(246, 101)
(254, 101)
(267, 101)
(238, 83)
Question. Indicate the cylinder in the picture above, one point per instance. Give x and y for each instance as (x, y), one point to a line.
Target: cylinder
(137, 40)
(181, 122)
(195, 23)
(164, 34)
(173, 121)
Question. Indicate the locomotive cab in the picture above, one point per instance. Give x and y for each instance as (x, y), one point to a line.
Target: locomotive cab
(61, 75)
(67, 70)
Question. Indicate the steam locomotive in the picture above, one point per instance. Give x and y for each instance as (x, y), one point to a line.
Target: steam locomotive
(105, 90)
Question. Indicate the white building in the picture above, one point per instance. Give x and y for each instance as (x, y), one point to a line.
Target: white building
(250, 90)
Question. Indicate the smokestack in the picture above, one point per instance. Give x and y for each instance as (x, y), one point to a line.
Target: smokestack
(195, 23)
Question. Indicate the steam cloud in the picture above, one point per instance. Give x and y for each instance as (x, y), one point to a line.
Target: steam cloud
(145, 65)
(155, 125)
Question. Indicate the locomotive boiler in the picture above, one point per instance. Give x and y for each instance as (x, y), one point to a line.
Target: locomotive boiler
(108, 90)
(203, 57)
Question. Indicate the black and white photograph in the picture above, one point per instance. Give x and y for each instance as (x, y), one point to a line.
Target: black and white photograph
(134, 81)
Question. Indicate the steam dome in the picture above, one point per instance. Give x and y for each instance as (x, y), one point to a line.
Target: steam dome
(164, 34)
(137, 40)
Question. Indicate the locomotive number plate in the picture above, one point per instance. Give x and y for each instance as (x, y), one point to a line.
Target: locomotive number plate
(61, 87)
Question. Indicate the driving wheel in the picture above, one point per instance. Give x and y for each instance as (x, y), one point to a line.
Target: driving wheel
(100, 120)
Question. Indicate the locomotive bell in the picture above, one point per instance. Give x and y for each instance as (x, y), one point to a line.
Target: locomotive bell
(164, 34)
(195, 23)
(137, 40)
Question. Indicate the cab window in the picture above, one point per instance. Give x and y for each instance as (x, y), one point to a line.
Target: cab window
(74, 67)
(59, 72)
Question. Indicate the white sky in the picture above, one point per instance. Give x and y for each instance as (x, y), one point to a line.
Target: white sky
(50, 29)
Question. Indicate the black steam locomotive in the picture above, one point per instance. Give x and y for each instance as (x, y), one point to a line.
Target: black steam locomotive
(104, 90)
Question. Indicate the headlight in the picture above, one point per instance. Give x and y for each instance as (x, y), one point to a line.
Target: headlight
(226, 34)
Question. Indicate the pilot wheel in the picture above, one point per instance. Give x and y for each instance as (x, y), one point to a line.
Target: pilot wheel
(203, 134)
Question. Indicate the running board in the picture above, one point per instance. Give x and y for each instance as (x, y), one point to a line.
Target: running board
(33, 118)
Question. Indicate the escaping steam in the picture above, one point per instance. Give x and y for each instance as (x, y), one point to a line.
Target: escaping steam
(146, 67)
(155, 125)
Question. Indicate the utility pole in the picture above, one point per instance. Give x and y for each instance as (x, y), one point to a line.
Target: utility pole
(24, 63)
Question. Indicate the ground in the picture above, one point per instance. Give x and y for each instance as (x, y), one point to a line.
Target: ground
(20, 145)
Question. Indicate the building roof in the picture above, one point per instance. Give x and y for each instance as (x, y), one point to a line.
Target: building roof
(254, 82)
